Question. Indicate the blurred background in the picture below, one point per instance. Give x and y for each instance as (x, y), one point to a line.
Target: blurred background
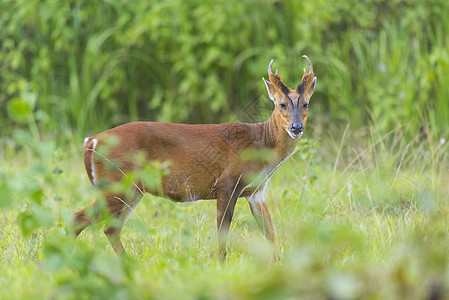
(361, 209)
(74, 68)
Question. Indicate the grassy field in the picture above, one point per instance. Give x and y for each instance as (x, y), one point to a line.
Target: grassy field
(361, 211)
(358, 216)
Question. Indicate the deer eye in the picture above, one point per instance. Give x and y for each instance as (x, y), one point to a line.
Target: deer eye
(282, 105)
(306, 105)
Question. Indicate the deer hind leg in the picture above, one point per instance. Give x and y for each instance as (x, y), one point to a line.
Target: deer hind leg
(85, 217)
(117, 206)
(120, 209)
(95, 212)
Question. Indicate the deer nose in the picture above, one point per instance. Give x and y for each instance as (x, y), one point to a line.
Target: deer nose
(297, 127)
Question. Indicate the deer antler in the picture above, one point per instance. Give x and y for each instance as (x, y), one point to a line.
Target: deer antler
(269, 68)
(308, 79)
(309, 63)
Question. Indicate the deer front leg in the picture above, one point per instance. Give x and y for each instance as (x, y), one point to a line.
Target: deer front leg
(227, 195)
(262, 215)
(225, 211)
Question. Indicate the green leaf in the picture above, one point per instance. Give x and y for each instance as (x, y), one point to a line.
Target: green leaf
(43, 216)
(27, 223)
(37, 194)
(110, 268)
(19, 110)
(6, 193)
(140, 227)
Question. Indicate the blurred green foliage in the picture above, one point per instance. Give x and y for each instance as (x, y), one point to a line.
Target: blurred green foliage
(85, 66)
(362, 215)
(356, 219)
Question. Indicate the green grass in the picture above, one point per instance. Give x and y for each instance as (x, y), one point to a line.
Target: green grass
(357, 216)
(360, 212)
(97, 64)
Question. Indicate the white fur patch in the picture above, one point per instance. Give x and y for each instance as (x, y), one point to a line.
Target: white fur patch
(93, 173)
(291, 135)
(268, 89)
(258, 197)
(133, 207)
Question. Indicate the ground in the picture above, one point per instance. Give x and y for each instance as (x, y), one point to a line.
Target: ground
(355, 218)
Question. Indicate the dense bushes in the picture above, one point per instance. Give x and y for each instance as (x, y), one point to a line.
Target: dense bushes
(93, 64)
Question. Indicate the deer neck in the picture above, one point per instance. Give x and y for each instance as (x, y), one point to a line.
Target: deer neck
(277, 138)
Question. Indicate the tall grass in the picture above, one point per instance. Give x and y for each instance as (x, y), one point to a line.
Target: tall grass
(360, 211)
(92, 65)
(399, 71)
(358, 214)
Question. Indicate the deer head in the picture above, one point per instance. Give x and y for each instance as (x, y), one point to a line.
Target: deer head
(291, 106)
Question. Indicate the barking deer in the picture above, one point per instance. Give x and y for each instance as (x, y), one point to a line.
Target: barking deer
(206, 161)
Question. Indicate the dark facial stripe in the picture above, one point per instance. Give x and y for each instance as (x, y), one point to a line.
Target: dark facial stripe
(300, 89)
(293, 104)
(284, 89)
(276, 80)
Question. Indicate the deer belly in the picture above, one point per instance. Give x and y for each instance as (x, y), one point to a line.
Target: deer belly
(181, 188)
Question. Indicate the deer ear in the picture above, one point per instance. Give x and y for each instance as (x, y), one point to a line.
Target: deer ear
(270, 89)
(312, 87)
